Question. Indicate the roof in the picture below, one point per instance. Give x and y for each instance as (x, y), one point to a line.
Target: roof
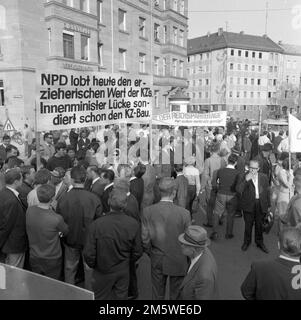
(291, 49)
(232, 40)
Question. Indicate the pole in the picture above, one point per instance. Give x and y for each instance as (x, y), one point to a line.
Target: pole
(260, 119)
(152, 80)
(112, 36)
(266, 17)
(37, 136)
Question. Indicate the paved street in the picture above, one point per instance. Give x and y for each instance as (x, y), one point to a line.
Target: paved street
(233, 264)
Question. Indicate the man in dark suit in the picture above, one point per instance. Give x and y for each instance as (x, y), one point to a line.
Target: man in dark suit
(181, 187)
(264, 161)
(277, 279)
(5, 143)
(149, 179)
(108, 176)
(97, 184)
(162, 223)
(79, 208)
(113, 241)
(28, 175)
(255, 203)
(13, 239)
(200, 283)
(137, 183)
(83, 145)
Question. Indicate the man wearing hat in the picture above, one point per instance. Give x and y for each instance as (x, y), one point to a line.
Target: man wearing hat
(162, 223)
(265, 164)
(200, 283)
(278, 279)
(57, 179)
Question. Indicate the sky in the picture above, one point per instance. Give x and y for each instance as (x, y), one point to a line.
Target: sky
(284, 25)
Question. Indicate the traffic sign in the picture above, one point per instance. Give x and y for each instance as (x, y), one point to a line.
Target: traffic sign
(8, 126)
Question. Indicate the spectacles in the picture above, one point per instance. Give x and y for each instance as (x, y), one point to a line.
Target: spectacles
(254, 168)
(50, 137)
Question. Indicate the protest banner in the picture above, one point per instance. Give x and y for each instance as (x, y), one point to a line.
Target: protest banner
(176, 118)
(294, 130)
(75, 100)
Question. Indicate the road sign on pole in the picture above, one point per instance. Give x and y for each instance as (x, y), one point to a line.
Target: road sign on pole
(8, 126)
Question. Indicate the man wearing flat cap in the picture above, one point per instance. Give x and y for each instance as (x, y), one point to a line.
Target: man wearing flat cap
(200, 282)
(162, 223)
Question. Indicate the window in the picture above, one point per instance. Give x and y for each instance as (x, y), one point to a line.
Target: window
(239, 66)
(260, 55)
(295, 64)
(293, 79)
(237, 94)
(246, 67)
(142, 62)
(258, 82)
(230, 94)
(238, 80)
(157, 32)
(258, 95)
(207, 68)
(259, 68)
(200, 82)
(270, 82)
(141, 27)
(207, 55)
(246, 54)
(99, 10)
(253, 67)
(174, 67)
(201, 56)
(49, 42)
(200, 95)
(156, 65)
(182, 7)
(246, 81)
(232, 52)
(1, 93)
(207, 82)
(288, 64)
(244, 108)
(182, 69)
(275, 69)
(84, 5)
(175, 5)
(245, 94)
(269, 94)
(252, 94)
(175, 35)
(122, 19)
(100, 54)
(164, 67)
(252, 81)
(271, 56)
(253, 54)
(84, 45)
(68, 45)
(270, 68)
(164, 5)
(231, 66)
(231, 80)
(193, 95)
(207, 95)
(122, 59)
(156, 99)
(165, 35)
(68, 3)
(2, 18)
(239, 53)
(274, 82)
(181, 38)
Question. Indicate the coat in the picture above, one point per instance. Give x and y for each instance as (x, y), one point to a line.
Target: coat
(79, 208)
(24, 190)
(182, 191)
(273, 280)
(149, 179)
(137, 189)
(201, 281)
(13, 238)
(105, 199)
(162, 223)
(97, 188)
(265, 166)
(246, 190)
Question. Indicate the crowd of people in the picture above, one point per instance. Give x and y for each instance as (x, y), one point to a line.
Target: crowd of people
(82, 217)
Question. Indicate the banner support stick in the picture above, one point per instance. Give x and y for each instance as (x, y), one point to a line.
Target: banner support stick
(37, 136)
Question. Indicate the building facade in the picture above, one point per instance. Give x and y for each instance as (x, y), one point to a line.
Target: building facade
(231, 71)
(147, 37)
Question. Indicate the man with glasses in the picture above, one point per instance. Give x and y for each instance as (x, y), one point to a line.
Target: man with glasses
(47, 145)
(255, 203)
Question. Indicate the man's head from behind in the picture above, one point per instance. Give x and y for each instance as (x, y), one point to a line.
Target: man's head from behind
(78, 175)
(290, 241)
(13, 178)
(118, 200)
(42, 176)
(167, 188)
(45, 193)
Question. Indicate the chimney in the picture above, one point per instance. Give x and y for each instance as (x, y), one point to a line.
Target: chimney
(220, 31)
(242, 32)
(208, 34)
(265, 36)
(280, 42)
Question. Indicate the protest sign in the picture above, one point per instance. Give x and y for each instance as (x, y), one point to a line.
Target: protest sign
(74, 100)
(294, 133)
(176, 118)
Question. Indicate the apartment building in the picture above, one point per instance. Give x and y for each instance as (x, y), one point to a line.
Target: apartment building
(147, 37)
(230, 71)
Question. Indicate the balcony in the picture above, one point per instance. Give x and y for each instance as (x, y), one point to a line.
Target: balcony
(167, 48)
